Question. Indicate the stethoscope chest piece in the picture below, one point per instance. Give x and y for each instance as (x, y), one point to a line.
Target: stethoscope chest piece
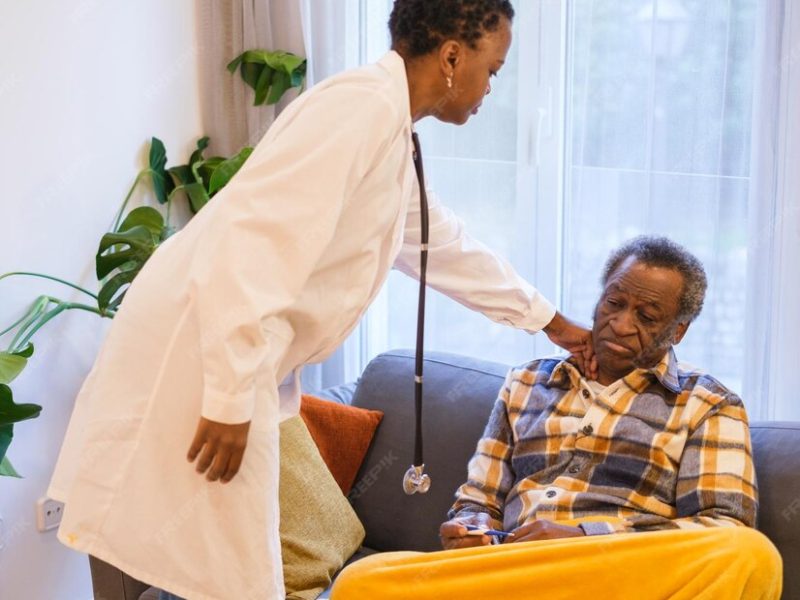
(416, 481)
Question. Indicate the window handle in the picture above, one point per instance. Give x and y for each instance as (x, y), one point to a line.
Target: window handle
(543, 129)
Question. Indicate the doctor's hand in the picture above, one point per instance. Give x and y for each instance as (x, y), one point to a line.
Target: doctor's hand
(222, 448)
(454, 535)
(577, 340)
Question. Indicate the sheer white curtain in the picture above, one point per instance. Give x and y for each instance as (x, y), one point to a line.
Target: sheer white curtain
(333, 43)
(611, 119)
(773, 283)
(225, 29)
(659, 97)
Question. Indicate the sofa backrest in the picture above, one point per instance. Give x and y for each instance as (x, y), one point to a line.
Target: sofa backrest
(459, 395)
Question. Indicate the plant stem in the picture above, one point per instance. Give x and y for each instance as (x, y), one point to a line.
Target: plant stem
(51, 278)
(17, 322)
(34, 313)
(61, 307)
(118, 219)
(169, 209)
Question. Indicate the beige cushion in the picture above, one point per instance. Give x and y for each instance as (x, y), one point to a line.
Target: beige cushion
(319, 529)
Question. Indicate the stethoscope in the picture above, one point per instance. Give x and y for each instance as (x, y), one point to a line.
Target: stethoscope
(415, 480)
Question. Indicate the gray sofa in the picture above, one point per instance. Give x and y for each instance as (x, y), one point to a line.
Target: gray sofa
(459, 394)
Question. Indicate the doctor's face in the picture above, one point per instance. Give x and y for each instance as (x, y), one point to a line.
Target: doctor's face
(472, 74)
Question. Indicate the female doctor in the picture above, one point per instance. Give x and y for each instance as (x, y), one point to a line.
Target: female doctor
(205, 351)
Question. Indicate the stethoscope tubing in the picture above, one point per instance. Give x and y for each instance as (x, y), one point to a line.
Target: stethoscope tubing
(423, 266)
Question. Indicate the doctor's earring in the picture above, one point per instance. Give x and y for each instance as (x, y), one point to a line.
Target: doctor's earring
(450, 82)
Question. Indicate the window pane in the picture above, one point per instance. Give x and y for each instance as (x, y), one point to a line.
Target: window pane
(473, 170)
(658, 115)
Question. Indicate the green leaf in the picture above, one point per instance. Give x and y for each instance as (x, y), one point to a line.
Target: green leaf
(205, 168)
(270, 74)
(7, 469)
(182, 174)
(6, 435)
(14, 413)
(263, 85)
(252, 72)
(145, 216)
(162, 182)
(108, 298)
(26, 352)
(235, 63)
(197, 155)
(11, 365)
(198, 197)
(227, 169)
(126, 251)
(280, 83)
(136, 244)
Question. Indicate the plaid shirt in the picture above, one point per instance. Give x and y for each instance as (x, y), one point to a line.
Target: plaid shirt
(660, 448)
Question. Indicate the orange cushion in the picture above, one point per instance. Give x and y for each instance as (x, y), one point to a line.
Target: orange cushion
(342, 433)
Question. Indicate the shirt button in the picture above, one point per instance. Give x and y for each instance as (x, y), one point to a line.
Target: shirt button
(551, 494)
(586, 394)
(588, 429)
(574, 469)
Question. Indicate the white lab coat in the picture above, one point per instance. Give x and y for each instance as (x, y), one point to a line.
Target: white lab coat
(272, 274)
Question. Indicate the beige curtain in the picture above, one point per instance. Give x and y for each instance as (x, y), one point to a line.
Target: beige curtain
(225, 29)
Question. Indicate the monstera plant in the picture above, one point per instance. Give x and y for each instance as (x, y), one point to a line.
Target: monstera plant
(135, 236)
(270, 74)
(122, 253)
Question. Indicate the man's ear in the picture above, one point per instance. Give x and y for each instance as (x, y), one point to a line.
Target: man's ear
(680, 331)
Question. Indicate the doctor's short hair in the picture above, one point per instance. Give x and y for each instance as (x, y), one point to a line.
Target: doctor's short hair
(420, 26)
(662, 252)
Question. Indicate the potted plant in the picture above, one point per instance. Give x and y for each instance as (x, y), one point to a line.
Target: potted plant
(135, 235)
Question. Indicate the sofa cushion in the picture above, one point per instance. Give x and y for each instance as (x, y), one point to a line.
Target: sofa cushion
(458, 396)
(342, 434)
(319, 530)
(777, 462)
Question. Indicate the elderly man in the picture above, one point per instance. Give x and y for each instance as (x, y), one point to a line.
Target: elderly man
(638, 485)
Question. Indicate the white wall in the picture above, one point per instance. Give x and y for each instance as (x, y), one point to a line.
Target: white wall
(83, 86)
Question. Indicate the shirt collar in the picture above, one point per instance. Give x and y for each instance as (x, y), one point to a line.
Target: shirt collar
(566, 375)
(394, 64)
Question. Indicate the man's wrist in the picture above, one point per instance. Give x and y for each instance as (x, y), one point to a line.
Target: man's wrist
(596, 528)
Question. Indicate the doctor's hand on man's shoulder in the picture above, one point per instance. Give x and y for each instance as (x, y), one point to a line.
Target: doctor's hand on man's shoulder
(220, 447)
(575, 339)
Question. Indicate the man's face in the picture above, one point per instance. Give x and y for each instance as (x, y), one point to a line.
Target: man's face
(635, 320)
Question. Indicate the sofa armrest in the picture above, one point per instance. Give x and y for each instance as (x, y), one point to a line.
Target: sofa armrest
(109, 583)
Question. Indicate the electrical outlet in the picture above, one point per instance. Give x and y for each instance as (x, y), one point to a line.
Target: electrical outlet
(48, 513)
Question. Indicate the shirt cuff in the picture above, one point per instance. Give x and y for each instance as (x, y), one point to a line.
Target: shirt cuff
(231, 409)
(540, 314)
(597, 528)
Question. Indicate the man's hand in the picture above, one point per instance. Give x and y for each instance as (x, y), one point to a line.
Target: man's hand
(575, 339)
(542, 529)
(454, 535)
(223, 448)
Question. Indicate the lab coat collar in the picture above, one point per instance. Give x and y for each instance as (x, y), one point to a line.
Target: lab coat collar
(394, 64)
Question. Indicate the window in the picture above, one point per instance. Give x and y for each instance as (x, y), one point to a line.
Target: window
(610, 119)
